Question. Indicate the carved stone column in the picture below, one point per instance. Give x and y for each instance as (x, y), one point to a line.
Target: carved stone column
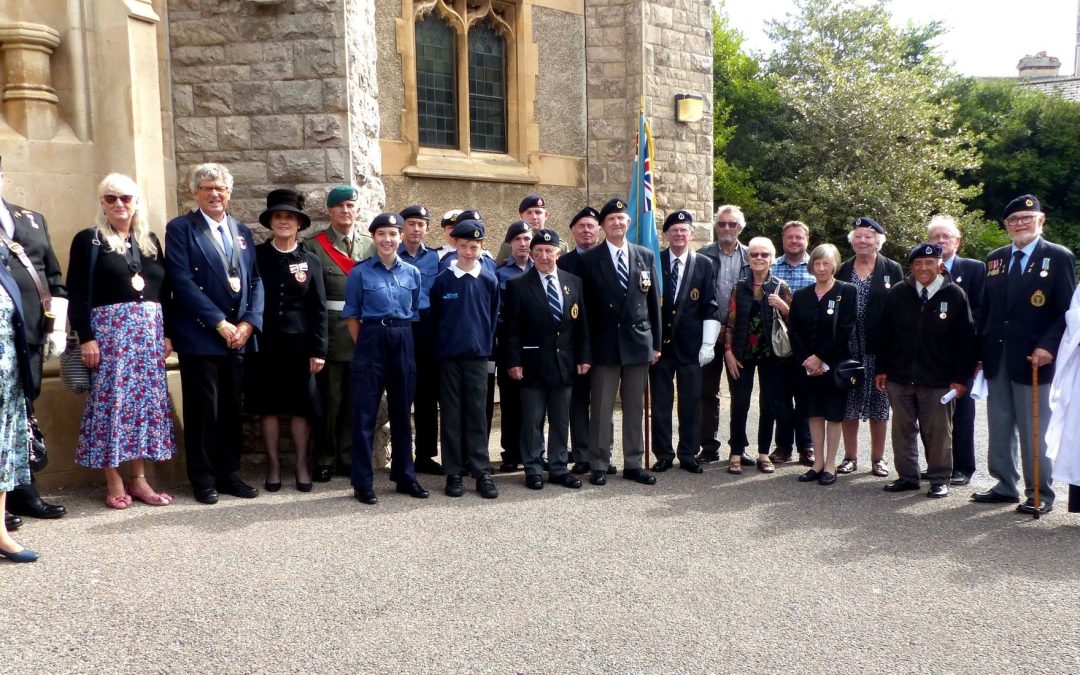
(30, 102)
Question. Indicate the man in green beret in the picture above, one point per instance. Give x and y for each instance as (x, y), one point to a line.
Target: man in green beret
(338, 247)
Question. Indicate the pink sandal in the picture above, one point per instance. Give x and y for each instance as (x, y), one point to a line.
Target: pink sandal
(152, 499)
(119, 502)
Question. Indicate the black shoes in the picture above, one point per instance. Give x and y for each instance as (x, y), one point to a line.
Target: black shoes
(413, 489)
(991, 497)
(959, 478)
(303, 487)
(509, 467)
(690, 466)
(938, 490)
(486, 487)
(534, 482)
(707, 456)
(901, 485)
(322, 474)
(598, 478)
(34, 507)
(365, 496)
(206, 495)
(612, 470)
(810, 476)
(1028, 507)
(826, 478)
(566, 480)
(272, 487)
(429, 466)
(580, 468)
(662, 465)
(454, 486)
(639, 476)
(12, 522)
(237, 488)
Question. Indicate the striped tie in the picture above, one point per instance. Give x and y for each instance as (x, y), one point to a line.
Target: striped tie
(553, 299)
(674, 277)
(621, 270)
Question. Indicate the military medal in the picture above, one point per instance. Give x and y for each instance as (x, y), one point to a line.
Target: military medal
(645, 281)
(944, 310)
(959, 279)
(1038, 299)
(1045, 268)
(234, 284)
(137, 282)
(574, 311)
(888, 284)
(134, 263)
(830, 310)
(299, 271)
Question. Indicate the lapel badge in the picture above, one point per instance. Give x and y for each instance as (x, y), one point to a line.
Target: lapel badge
(695, 294)
(574, 311)
(242, 242)
(1038, 299)
(30, 217)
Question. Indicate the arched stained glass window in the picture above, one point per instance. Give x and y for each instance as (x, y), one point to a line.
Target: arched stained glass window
(487, 89)
(436, 82)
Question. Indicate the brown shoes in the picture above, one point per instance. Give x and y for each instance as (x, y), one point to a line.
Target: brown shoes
(765, 465)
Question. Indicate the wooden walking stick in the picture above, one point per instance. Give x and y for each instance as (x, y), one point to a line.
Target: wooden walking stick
(1035, 433)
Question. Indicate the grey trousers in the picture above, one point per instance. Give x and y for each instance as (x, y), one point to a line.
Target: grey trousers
(1009, 413)
(629, 382)
(917, 411)
(538, 403)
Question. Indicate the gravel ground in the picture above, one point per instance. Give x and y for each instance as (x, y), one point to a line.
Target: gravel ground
(707, 573)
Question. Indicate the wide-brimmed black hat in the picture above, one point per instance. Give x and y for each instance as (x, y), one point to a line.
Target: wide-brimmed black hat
(284, 199)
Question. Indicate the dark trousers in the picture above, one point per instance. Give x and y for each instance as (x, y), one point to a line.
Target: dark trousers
(383, 360)
(212, 388)
(463, 389)
(335, 426)
(426, 400)
(663, 377)
(769, 403)
(538, 403)
(710, 402)
(796, 431)
(963, 435)
(510, 414)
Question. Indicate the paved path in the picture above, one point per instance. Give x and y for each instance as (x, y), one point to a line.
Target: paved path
(709, 573)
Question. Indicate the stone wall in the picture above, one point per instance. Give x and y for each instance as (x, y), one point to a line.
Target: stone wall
(267, 89)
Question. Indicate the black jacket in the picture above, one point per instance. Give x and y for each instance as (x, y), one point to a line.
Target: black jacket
(295, 296)
(549, 353)
(887, 273)
(684, 316)
(737, 328)
(624, 326)
(970, 275)
(931, 345)
(814, 331)
(32, 233)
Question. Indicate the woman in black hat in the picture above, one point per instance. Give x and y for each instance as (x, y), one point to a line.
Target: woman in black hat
(292, 348)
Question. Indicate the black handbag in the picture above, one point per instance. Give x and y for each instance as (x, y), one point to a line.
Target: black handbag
(74, 374)
(35, 441)
(848, 374)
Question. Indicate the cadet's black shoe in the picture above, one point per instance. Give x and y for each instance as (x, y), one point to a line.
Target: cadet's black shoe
(991, 497)
(413, 489)
(1028, 507)
(534, 482)
(639, 476)
(691, 466)
(901, 485)
(366, 496)
(612, 470)
(566, 480)
(959, 478)
(598, 478)
(580, 468)
(706, 456)
(662, 465)
(322, 474)
(509, 467)
(429, 466)
(454, 486)
(938, 490)
(12, 522)
(486, 487)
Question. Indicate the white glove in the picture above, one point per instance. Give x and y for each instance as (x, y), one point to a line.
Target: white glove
(710, 331)
(55, 344)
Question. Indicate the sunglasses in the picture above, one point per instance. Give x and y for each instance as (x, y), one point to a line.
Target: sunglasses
(732, 224)
(111, 199)
(759, 254)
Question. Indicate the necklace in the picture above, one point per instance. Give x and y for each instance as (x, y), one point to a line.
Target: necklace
(295, 244)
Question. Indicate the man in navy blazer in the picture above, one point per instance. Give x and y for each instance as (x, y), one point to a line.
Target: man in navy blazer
(216, 308)
(969, 275)
(624, 324)
(1029, 285)
(688, 315)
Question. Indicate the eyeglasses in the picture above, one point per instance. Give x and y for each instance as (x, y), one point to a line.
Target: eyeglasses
(1020, 220)
(760, 254)
(111, 199)
(220, 189)
(727, 224)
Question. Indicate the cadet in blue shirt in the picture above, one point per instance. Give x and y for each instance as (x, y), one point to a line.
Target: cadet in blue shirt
(426, 401)
(465, 305)
(486, 260)
(517, 239)
(382, 300)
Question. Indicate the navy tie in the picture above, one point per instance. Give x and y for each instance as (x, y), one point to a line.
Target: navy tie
(553, 298)
(924, 296)
(226, 244)
(674, 277)
(1016, 277)
(621, 269)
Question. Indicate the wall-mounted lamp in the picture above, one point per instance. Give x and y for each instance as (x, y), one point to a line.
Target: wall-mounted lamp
(689, 107)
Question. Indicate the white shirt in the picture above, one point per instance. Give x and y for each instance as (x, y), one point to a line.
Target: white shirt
(613, 250)
(554, 277)
(933, 288)
(458, 272)
(216, 228)
(682, 269)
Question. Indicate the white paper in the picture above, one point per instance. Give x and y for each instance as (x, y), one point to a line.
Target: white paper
(979, 389)
(948, 397)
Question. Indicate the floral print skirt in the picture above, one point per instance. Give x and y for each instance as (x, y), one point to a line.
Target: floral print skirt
(14, 452)
(127, 412)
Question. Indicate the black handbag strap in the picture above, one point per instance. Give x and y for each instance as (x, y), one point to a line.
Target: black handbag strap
(94, 248)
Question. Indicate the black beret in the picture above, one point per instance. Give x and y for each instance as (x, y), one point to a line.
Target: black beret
(468, 214)
(924, 251)
(587, 212)
(385, 220)
(518, 227)
(867, 221)
(415, 211)
(679, 216)
(1022, 203)
(545, 236)
(469, 229)
(530, 202)
(616, 205)
(449, 216)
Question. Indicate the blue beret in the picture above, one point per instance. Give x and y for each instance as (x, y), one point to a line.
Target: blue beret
(340, 193)
(472, 230)
(616, 205)
(924, 251)
(867, 221)
(530, 202)
(415, 211)
(680, 216)
(518, 227)
(546, 237)
(587, 212)
(386, 220)
(1022, 203)
(468, 214)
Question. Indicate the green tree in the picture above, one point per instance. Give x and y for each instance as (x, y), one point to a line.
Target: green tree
(861, 129)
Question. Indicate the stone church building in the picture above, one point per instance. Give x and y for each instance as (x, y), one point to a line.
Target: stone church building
(452, 103)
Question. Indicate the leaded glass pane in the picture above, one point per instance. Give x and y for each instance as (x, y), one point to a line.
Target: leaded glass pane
(436, 87)
(487, 89)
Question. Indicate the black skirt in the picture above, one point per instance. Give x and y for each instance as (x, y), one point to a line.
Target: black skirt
(277, 378)
(824, 398)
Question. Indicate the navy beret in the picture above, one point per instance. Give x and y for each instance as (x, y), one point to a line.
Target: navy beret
(530, 202)
(449, 216)
(415, 211)
(545, 236)
(468, 214)
(867, 221)
(616, 205)
(1022, 203)
(518, 227)
(924, 251)
(680, 216)
(587, 212)
(386, 220)
(469, 229)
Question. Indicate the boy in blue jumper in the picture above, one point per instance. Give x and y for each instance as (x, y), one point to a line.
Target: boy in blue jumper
(465, 307)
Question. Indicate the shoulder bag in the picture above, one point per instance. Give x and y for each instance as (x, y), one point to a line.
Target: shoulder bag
(781, 343)
(849, 373)
(73, 372)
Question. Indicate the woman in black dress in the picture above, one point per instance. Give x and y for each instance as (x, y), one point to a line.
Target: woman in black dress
(822, 320)
(292, 348)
